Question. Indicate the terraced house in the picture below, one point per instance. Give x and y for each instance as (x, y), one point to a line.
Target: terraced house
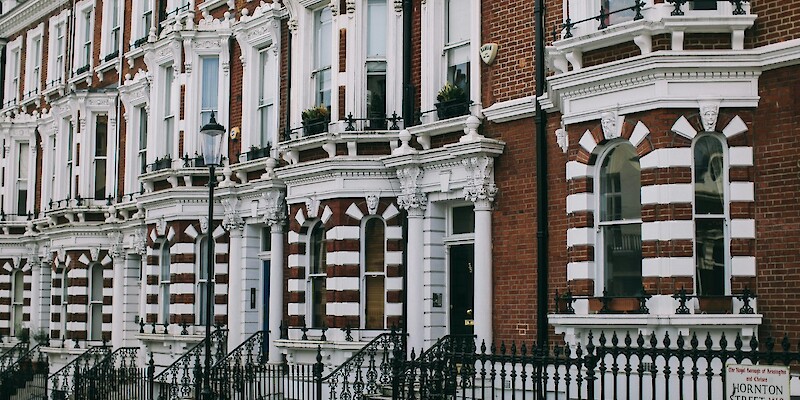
(416, 198)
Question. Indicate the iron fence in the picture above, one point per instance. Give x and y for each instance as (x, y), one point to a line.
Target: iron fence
(183, 379)
(117, 377)
(26, 376)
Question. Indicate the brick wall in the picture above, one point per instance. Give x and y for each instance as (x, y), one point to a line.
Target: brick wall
(777, 208)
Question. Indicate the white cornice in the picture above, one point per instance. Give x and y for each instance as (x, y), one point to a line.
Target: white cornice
(27, 13)
(511, 110)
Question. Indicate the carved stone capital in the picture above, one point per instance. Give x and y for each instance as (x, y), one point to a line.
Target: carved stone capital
(139, 243)
(273, 208)
(116, 248)
(411, 197)
(232, 219)
(480, 186)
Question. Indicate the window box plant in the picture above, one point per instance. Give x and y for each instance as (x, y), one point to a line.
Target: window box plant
(315, 120)
(257, 152)
(452, 101)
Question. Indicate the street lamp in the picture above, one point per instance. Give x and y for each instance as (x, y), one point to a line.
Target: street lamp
(212, 135)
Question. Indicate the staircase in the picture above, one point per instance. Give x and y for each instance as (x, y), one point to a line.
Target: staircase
(66, 382)
(182, 380)
(24, 373)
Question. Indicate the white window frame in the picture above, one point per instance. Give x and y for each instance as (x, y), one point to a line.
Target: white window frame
(140, 29)
(201, 282)
(17, 300)
(164, 282)
(69, 144)
(203, 109)
(318, 66)
(96, 158)
(169, 113)
(56, 61)
(64, 301)
(310, 277)
(11, 96)
(33, 62)
(51, 154)
(268, 127)
(726, 216)
(84, 22)
(206, 44)
(112, 12)
(95, 303)
(23, 179)
(434, 54)
(365, 274)
(600, 267)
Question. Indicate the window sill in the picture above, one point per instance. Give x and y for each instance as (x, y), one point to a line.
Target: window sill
(30, 99)
(328, 141)
(107, 65)
(82, 74)
(56, 88)
(657, 20)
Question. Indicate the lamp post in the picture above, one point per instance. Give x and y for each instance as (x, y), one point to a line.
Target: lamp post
(212, 135)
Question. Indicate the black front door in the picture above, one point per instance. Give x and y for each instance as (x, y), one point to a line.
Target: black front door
(462, 319)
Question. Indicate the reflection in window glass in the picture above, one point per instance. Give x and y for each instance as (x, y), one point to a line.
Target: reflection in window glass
(708, 176)
(317, 275)
(710, 256)
(463, 219)
(609, 6)
(620, 220)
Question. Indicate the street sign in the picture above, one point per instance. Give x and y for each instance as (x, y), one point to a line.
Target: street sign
(757, 382)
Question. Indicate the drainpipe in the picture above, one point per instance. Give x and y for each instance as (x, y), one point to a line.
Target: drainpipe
(540, 120)
(408, 86)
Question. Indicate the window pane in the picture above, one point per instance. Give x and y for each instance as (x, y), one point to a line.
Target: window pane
(96, 327)
(164, 262)
(709, 176)
(23, 160)
(376, 100)
(19, 286)
(323, 38)
(374, 302)
(318, 250)
(459, 75)
(22, 202)
(704, 5)
(458, 21)
(318, 310)
(622, 245)
(376, 28)
(101, 136)
(463, 219)
(710, 256)
(374, 245)
(620, 185)
(203, 258)
(324, 87)
(210, 83)
(100, 179)
(615, 5)
(266, 239)
(97, 284)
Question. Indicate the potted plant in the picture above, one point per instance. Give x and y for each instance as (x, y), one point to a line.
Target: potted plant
(315, 119)
(41, 337)
(452, 101)
(23, 334)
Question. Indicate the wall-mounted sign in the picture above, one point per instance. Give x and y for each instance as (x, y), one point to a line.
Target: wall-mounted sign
(489, 52)
(746, 382)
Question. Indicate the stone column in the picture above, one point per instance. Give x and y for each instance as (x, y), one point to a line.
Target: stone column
(414, 201)
(481, 190)
(118, 290)
(234, 224)
(275, 217)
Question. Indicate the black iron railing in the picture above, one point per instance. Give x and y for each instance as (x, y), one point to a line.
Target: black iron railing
(12, 355)
(183, 379)
(160, 163)
(257, 152)
(619, 367)
(26, 377)
(368, 371)
(117, 376)
(62, 383)
(374, 123)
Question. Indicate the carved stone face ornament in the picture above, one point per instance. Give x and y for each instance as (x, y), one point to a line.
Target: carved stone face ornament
(708, 115)
(608, 120)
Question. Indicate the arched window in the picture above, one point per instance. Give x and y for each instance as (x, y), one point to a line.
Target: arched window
(710, 216)
(317, 275)
(96, 302)
(163, 282)
(18, 299)
(203, 284)
(374, 273)
(620, 221)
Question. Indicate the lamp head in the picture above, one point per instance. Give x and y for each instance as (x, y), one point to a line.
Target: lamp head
(212, 134)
